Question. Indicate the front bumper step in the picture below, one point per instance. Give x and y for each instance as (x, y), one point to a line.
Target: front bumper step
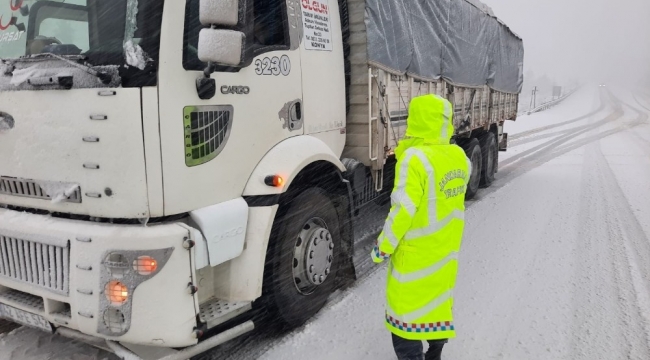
(23, 300)
(216, 312)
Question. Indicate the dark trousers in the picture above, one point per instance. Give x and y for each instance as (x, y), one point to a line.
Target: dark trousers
(414, 350)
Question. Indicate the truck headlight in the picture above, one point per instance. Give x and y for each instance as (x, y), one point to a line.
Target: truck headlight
(115, 321)
(122, 271)
(116, 292)
(116, 264)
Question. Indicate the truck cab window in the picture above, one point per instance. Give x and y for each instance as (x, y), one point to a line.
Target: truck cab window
(64, 31)
(58, 29)
(270, 23)
(266, 29)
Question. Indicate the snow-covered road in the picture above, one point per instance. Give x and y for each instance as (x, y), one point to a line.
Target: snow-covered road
(555, 262)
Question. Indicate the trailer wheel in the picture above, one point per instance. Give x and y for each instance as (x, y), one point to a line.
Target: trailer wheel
(473, 151)
(490, 158)
(304, 257)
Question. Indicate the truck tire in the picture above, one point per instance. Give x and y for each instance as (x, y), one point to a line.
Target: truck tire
(303, 258)
(490, 156)
(473, 151)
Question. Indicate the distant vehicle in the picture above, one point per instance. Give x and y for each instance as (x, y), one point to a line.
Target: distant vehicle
(165, 164)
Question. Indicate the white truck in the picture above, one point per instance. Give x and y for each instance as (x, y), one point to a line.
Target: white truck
(168, 166)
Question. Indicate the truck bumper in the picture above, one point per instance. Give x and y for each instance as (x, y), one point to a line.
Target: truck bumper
(58, 269)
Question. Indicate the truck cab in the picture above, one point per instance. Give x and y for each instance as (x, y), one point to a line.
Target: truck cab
(113, 156)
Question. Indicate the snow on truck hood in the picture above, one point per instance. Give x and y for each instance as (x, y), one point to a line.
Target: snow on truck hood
(78, 151)
(29, 74)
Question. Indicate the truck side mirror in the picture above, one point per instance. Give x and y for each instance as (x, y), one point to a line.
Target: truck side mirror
(221, 46)
(219, 12)
(218, 46)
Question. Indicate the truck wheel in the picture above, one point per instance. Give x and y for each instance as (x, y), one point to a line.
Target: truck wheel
(473, 151)
(490, 155)
(304, 257)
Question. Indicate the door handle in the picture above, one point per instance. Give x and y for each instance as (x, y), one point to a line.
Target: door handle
(295, 116)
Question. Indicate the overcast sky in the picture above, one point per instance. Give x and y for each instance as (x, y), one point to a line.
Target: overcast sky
(599, 40)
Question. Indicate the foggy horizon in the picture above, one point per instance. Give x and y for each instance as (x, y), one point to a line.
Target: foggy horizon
(583, 40)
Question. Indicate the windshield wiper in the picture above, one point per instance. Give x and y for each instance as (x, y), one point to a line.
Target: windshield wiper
(104, 77)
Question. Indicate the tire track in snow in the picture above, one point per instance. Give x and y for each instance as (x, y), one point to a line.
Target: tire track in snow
(633, 265)
(569, 134)
(607, 287)
(628, 269)
(642, 118)
(593, 259)
(637, 240)
(556, 148)
(531, 139)
(524, 134)
(639, 102)
(535, 160)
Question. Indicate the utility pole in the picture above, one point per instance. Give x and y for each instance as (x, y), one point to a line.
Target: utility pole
(533, 98)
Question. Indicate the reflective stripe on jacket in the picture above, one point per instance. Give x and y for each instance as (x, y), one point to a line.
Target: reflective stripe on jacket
(422, 235)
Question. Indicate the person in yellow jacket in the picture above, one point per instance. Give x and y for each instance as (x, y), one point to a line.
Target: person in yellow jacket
(423, 232)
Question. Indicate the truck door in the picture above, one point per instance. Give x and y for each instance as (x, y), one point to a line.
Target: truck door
(323, 71)
(210, 147)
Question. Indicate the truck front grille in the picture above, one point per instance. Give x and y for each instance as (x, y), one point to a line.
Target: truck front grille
(47, 266)
(33, 189)
(206, 132)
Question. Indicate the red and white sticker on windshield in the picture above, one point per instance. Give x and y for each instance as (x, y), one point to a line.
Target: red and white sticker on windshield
(9, 11)
(316, 25)
(7, 18)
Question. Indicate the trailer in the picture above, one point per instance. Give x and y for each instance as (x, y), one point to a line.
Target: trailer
(169, 170)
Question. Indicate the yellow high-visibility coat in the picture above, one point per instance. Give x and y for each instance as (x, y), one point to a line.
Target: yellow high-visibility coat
(422, 235)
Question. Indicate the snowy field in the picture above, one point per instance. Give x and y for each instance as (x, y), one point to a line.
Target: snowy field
(555, 261)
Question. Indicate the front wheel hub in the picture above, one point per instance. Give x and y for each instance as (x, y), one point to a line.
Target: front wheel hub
(313, 256)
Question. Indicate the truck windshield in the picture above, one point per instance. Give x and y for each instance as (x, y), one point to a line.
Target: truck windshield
(123, 33)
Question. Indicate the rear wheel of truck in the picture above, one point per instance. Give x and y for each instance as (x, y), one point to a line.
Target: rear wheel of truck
(490, 155)
(303, 258)
(473, 151)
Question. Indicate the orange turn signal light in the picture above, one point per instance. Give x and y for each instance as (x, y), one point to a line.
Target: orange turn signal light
(274, 180)
(145, 265)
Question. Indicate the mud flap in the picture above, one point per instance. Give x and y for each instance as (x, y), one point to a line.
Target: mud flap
(345, 210)
(503, 144)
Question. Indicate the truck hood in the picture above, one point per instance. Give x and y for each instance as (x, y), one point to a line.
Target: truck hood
(74, 151)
